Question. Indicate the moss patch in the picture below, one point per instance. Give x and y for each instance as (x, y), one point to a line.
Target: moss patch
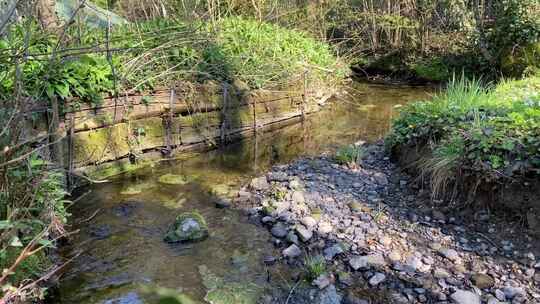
(173, 179)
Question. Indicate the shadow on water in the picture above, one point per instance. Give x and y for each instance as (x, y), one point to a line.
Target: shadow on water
(123, 223)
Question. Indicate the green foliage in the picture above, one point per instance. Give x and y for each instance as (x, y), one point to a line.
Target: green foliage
(159, 52)
(25, 215)
(493, 132)
(433, 69)
(351, 154)
(314, 266)
(514, 36)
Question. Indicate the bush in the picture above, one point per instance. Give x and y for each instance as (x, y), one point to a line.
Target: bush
(492, 134)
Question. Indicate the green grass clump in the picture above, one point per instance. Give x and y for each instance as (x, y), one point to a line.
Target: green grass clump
(490, 132)
(315, 266)
(350, 154)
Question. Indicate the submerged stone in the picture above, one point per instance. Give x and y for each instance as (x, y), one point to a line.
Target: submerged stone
(189, 226)
(173, 179)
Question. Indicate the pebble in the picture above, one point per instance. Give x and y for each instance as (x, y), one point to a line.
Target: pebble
(330, 252)
(304, 233)
(377, 279)
(325, 228)
(376, 215)
(308, 221)
(465, 297)
(279, 230)
(366, 261)
(450, 254)
(321, 281)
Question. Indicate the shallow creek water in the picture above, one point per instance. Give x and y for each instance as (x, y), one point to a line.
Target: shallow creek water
(123, 258)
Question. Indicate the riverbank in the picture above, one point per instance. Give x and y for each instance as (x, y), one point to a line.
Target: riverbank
(381, 240)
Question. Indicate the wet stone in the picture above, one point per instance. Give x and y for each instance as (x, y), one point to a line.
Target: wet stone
(330, 252)
(279, 230)
(292, 251)
(377, 279)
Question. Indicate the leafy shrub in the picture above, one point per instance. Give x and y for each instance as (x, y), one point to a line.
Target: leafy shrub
(161, 52)
(492, 133)
(434, 69)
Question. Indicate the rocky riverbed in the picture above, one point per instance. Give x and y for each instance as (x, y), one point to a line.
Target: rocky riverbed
(383, 239)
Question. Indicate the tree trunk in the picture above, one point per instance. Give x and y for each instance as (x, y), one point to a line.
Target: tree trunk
(47, 15)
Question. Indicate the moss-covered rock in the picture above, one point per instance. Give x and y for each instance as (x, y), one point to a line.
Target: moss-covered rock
(189, 226)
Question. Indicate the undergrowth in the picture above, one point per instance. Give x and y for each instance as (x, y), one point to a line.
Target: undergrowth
(143, 56)
(491, 133)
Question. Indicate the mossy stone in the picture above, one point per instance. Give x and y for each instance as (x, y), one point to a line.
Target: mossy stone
(173, 179)
(189, 226)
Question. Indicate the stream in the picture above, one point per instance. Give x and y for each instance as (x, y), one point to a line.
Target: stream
(120, 253)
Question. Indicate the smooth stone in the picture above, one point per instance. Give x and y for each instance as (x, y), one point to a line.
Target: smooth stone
(377, 279)
(279, 230)
(366, 261)
(308, 221)
(325, 228)
(292, 238)
(321, 281)
(292, 251)
(330, 252)
(304, 233)
(482, 281)
(450, 254)
(511, 292)
(328, 295)
(465, 297)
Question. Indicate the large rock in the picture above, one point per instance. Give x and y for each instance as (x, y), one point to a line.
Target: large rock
(189, 226)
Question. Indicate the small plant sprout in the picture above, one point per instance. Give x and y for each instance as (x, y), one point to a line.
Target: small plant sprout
(315, 266)
(349, 155)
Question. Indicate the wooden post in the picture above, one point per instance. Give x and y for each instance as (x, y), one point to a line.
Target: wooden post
(71, 154)
(55, 136)
(168, 123)
(304, 97)
(224, 116)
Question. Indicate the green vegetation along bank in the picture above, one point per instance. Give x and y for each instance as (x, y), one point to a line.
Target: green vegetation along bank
(472, 139)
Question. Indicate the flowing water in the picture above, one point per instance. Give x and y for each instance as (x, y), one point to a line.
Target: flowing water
(122, 256)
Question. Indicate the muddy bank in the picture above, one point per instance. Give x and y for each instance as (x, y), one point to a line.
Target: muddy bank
(383, 241)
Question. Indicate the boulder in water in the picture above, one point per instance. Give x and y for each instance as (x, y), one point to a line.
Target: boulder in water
(189, 226)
